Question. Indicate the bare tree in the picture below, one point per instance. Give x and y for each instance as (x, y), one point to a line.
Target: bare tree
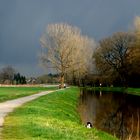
(134, 57)
(82, 60)
(135, 51)
(7, 75)
(65, 48)
(112, 55)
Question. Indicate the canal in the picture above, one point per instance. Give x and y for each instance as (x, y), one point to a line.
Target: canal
(115, 113)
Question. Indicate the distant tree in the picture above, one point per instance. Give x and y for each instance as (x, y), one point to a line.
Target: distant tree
(19, 79)
(112, 55)
(22, 80)
(7, 75)
(48, 78)
(15, 79)
(43, 79)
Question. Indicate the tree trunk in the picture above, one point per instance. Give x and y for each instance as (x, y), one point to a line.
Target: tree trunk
(62, 80)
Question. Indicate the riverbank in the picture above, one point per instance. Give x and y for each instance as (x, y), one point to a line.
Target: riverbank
(53, 116)
(134, 91)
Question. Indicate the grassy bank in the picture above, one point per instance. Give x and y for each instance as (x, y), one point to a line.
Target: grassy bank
(8, 93)
(135, 91)
(51, 117)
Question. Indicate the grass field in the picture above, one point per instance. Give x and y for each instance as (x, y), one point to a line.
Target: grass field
(51, 117)
(8, 93)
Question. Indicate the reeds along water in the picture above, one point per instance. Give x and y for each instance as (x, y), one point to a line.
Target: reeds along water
(132, 135)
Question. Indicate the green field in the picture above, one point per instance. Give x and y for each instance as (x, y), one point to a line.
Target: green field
(50, 117)
(8, 93)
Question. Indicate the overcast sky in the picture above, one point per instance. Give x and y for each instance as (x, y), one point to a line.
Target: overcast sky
(23, 21)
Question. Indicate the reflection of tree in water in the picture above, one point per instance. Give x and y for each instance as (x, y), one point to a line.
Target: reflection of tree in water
(122, 121)
(114, 121)
(108, 116)
(113, 113)
(85, 108)
(118, 117)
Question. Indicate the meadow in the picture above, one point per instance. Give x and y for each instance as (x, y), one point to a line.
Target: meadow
(8, 93)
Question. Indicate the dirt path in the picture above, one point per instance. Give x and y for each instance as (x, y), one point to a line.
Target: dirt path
(9, 106)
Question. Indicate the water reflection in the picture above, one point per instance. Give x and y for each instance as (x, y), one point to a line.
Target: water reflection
(118, 114)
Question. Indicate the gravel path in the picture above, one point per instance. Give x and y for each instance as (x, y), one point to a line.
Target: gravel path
(9, 106)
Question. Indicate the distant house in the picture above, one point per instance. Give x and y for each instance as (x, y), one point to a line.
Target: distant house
(31, 80)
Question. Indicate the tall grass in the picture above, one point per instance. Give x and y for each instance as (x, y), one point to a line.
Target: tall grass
(136, 136)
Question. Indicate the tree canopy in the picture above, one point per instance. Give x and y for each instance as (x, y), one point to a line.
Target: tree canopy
(67, 50)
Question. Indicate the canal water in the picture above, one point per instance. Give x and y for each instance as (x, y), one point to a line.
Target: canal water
(115, 113)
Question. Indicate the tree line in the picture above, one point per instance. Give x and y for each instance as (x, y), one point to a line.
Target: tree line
(8, 75)
(117, 58)
(78, 59)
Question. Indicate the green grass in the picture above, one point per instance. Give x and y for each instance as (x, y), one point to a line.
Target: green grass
(50, 117)
(8, 93)
(134, 91)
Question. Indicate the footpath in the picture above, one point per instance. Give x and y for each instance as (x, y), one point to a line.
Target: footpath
(9, 106)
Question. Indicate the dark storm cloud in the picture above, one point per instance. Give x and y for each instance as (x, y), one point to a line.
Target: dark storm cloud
(23, 21)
